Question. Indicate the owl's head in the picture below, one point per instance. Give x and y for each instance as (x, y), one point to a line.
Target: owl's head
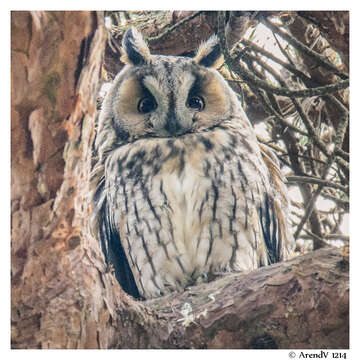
(166, 96)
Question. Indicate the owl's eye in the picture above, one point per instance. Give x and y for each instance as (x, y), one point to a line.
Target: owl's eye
(146, 105)
(196, 102)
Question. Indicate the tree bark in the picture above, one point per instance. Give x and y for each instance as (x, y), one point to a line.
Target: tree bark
(61, 294)
(60, 297)
(302, 303)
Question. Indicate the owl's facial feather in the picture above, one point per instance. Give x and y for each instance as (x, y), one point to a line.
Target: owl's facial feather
(167, 98)
(164, 96)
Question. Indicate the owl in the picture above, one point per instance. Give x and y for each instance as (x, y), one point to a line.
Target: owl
(182, 190)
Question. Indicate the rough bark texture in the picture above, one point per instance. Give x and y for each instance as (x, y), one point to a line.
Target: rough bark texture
(302, 303)
(62, 296)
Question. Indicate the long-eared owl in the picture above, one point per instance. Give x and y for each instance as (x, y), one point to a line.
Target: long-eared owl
(182, 189)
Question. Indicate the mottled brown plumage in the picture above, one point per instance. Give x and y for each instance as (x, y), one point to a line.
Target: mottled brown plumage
(182, 189)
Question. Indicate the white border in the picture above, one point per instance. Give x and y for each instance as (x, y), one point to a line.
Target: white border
(164, 5)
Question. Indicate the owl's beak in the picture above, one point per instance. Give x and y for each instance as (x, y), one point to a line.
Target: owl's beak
(174, 128)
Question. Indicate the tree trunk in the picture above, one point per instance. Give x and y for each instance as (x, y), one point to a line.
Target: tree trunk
(62, 296)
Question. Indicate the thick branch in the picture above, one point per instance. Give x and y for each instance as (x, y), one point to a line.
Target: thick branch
(239, 311)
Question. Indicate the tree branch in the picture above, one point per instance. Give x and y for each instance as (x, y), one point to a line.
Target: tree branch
(314, 180)
(310, 205)
(322, 60)
(283, 91)
(239, 312)
(174, 27)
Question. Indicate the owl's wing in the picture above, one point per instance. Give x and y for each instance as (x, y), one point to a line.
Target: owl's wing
(111, 244)
(273, 213)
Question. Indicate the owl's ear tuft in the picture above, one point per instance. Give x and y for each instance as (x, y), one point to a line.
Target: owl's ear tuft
(134, 48)
(209, 53)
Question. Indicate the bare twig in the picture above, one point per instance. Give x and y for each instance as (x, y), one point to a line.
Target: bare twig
(256, 80)
(318, 239)
(341, 237)
(267, 105)
(314, 180)
(318, 91)
(290, 67)
(273, 146)
(344, 155)
(311, 130)
(309, 82)
(342, 162)
(322, 60)
(305, 189)
(172, 28)
(283, 51)
(310, 206)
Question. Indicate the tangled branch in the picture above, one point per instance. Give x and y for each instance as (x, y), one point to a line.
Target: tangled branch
(327, 165)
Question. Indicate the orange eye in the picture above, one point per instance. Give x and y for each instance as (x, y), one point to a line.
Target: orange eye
(146, 105)
(196, 102)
